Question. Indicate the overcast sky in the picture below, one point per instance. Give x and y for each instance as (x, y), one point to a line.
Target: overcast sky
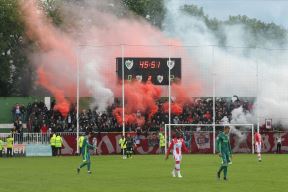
(266, 10)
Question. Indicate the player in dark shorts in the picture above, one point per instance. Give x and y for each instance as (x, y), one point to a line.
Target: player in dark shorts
(85, 153)
(130, 144)
(225, 152)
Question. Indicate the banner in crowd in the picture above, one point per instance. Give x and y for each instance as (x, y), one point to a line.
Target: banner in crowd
(202, 140)
(107, 143)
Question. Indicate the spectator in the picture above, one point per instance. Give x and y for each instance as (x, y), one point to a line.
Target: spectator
(18, 125)
(94, 142)
(9, 142)
(69, 121)
(44, 130)
(137, 140)
(197, 111)
(1, 147)
(138, 130)
(122, 143)
(279, 144)
(161, 142)
(17, 110)
(58, 144)
(53, 144)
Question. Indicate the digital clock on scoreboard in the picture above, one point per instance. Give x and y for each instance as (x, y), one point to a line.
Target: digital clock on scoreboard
(155, 70)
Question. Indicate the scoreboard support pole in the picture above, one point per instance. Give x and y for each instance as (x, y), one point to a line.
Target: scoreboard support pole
(169, 92)
(123, 91)
(214, 102)
(77, 107)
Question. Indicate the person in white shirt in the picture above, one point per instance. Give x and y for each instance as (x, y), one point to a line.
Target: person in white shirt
(94, 142)
(258, 145)
(279, 144)
(177, 144)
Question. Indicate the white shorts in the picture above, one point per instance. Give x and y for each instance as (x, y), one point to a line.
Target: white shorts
(177, 157)
(258, 147)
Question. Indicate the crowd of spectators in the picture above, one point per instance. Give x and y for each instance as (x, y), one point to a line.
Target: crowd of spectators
(40, 119)
(200, 111)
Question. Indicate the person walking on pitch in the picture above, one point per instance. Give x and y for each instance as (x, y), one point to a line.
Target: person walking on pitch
(85, 153)
(258, 145)
(161, 142)
(80, 142)
(123, 146)
(177, 144)
(279, 144)
(129, 145)
(224, 149)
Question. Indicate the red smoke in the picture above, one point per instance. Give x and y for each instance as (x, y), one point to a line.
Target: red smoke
(180, 96)
(62, 104)
(176, 109)
(129, 118)
(55, 56)
(139, 98)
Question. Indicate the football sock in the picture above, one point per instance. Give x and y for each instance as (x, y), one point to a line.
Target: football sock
(225, 171)
(88, 166)
(177, 167)
(220, 169)
(83, 164)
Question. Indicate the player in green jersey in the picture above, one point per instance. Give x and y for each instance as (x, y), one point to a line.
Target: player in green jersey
(85, 153)
(224, 149)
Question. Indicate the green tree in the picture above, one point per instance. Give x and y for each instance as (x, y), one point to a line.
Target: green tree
(16, 73)
(52, 8)
(260, 33)
(152, 10)
(13, 60)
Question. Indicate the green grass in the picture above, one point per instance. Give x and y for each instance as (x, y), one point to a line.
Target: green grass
(144, 173)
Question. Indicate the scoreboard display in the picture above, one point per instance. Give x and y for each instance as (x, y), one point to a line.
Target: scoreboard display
(146, 69)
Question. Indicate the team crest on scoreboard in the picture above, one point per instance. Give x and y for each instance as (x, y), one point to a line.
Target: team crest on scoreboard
(129, 64)
(139, 78)
(170, 64)
(160, 78)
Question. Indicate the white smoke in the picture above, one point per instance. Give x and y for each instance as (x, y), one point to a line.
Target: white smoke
(240, 116)
(246, 72)
(102, 95)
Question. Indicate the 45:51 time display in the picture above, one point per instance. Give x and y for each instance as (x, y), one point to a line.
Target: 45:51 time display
(144, 64)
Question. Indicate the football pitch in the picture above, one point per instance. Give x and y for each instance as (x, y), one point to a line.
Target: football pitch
(143, 173)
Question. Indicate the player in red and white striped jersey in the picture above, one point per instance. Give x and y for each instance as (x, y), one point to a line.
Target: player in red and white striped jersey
(177, 144)
(258, 145)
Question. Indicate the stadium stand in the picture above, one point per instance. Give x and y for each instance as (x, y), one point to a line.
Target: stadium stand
(36, 115)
